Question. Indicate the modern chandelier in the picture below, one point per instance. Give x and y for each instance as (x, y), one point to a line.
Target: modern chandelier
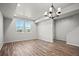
(52, 13)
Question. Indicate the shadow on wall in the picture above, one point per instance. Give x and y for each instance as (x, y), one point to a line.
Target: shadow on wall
(6, 25)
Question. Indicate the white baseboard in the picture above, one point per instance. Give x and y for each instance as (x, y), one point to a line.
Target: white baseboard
(46, 40)
(73, 44)
(17, 40)
(1, 44)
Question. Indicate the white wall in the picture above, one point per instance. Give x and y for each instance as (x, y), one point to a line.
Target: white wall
(11, 34)
(45, 30)
(73, 37)
(66, 25)
(1, 30)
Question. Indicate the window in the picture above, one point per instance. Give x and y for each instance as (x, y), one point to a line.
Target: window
(27, 26)
(23, 26)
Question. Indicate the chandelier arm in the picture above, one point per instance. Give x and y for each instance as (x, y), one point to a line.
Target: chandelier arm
(54, 7)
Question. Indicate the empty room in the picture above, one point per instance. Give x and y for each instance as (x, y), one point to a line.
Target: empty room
(39, 29)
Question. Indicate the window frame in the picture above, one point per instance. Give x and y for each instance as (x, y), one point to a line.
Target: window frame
(24, 25)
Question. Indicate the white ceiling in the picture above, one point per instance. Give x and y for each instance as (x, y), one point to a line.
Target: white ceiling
(7, 9)
(36, 10)
(29, 10)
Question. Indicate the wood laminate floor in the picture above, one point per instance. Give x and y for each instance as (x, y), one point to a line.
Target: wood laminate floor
(38, 48)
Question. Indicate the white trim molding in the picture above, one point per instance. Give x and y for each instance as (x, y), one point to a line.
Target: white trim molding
(1, 44)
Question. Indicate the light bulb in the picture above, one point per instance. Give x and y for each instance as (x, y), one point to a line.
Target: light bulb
(58, 13)
(45, 13)
(50, 9)
(50, 15)
(18, 5)
(14, 14)
(59, 9)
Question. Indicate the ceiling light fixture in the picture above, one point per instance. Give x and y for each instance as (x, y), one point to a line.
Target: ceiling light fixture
(52, 13)
(18, 5)
(14, 14)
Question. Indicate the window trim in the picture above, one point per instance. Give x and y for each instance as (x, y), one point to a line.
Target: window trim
(24, 26)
